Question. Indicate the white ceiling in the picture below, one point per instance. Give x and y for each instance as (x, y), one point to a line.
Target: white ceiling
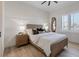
(53, 6)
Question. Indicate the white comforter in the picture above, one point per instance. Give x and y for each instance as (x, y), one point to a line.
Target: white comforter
(44, 40)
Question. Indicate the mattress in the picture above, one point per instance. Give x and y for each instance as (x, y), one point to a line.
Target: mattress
(44, 40)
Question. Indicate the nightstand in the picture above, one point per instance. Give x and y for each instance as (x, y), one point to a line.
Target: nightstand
(21, 39)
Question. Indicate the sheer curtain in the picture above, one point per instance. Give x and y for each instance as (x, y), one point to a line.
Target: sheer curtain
(70, 22)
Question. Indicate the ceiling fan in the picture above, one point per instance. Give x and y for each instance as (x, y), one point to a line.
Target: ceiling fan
(49, 2)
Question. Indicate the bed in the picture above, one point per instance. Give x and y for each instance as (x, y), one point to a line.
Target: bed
(49, 43)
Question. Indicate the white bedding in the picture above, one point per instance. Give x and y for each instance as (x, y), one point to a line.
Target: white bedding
(44, 40)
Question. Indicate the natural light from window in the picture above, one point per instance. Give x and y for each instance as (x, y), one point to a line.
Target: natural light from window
(70, 22)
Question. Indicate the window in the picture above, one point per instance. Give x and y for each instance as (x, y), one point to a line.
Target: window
(75, 22)
(70, 22)
(65, 22)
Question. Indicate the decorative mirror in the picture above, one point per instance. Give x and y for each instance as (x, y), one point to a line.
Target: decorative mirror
(53, 24)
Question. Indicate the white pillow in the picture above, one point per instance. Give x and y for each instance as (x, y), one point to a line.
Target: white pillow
(29, 31)
(41, 32)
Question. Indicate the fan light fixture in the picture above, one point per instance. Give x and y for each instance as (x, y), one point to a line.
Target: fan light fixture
(49, 2)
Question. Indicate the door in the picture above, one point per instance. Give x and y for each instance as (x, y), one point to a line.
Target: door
(1, 31)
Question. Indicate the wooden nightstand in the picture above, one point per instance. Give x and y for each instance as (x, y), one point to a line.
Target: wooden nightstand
(21, 39)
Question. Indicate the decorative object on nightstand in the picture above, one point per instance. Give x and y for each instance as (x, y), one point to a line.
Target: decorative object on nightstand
(21, 39)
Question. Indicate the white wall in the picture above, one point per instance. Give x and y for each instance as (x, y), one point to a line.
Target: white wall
(19, 14)
(1, 30)
(74, 37)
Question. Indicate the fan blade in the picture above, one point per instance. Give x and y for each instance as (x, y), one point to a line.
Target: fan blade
(43, 2)
(49, 3)
(55, 1)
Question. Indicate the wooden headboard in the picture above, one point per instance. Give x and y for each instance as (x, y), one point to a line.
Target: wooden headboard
(31, 26)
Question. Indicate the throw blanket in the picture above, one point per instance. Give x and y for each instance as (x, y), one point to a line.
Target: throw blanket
(44, 40)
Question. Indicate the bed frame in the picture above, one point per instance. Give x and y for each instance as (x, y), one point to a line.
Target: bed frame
(56, 48)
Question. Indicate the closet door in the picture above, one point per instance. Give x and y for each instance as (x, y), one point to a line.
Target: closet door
(53, 24)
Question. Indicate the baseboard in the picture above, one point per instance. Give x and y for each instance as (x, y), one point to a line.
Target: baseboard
(74, 42)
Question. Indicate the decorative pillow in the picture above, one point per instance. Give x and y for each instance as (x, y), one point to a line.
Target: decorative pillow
(29, 31)
(40, 30)
(35, 31)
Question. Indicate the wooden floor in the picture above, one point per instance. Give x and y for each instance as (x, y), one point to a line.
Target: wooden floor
(24, 51)
(31, 51)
